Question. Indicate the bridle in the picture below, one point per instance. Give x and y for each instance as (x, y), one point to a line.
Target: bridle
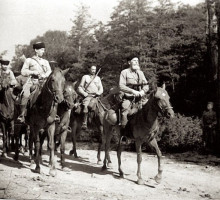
(52, 92)
(164, 107)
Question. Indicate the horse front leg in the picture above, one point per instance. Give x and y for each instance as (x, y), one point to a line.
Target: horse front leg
(17, 139)
(100, 145)
(62, 149)
(37, 150)
(139, 160)
(11, 138)
(106, 139)
(26, 138)
(51, 131)
(74, 132)
(121, 173)
(154, 144)
(31, 142)
(4, 150)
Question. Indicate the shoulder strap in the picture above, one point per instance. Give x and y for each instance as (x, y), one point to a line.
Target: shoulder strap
(92, 79)
(39, 64)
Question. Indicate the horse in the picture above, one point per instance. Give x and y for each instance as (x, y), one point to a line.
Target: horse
(6, 112)
(97, 109)
(42, 115)
(143, 127)
(64, 112)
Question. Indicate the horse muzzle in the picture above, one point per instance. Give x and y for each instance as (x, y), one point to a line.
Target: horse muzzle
(169, 113)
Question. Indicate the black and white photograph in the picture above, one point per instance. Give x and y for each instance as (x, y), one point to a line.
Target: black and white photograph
(110, 100)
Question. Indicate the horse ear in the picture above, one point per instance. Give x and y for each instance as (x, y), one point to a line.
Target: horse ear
(164, 86)
(74, 84)
(64, 72)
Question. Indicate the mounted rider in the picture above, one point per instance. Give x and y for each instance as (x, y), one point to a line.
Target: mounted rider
(35, 70)
(6, 72)
(90, 87)
(132, 85)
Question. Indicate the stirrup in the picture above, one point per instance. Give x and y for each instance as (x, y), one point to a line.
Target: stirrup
(21, 119)
(84, 126)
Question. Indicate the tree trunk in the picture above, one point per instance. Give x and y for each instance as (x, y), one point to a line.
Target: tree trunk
(217, 145)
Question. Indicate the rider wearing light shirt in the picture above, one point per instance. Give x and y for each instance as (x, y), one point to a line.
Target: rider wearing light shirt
(34, 68)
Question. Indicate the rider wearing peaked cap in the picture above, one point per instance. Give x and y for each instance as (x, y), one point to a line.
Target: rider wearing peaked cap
(35, 66)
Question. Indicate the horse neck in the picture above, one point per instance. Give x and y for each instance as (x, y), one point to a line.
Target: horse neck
(45, 98)
(150, 111)
(7, 103)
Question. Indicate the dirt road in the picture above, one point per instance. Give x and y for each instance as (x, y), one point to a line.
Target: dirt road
(185, 176)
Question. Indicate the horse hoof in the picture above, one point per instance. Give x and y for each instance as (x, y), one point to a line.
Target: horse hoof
(53, 172)
(110, 165)
(71, 152)
(140, 181)
(32, 164)
(158, 179)
(21, 150)
(4, 155)
(104, 168)
(37, 170)
(99, 162)
(15, 158)
(26, 154)
(122, 175)
(65, 169)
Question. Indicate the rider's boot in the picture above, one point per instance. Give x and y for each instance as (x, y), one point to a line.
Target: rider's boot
(84, 125)
(21, 117)
(124, 119)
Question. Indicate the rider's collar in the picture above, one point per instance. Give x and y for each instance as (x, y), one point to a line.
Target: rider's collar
(37, 57)
(133, 71)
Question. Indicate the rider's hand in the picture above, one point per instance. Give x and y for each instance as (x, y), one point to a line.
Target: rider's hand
(142, 93)
(42, 76)
(136, 93)
(97, 94)
(85, 94)
(35, 73)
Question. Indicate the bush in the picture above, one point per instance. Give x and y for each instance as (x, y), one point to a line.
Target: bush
(180, 134)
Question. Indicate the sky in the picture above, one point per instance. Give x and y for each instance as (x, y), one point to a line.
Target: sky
(23, 20)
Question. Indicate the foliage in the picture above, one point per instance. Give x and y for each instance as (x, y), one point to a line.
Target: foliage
(180, 134)
(170, 41)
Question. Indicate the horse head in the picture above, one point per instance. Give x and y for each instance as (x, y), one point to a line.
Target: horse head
(4, 82)
(55, 84)
(70, 94)
(163, 101)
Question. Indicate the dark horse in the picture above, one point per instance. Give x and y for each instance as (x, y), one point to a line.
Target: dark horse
(143, 127)
(96, 115)
(43, 114)
(64, 112)
(6, 112)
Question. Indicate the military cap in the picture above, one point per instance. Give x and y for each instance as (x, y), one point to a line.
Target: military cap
(131, 56)
(4, 61)
(38, 45)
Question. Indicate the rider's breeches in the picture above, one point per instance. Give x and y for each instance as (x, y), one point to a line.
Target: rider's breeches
(27, 87)
(85, 103)
(125, 106)
(26, 93)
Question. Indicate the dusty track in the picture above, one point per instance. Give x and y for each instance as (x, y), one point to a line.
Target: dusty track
(185, 177)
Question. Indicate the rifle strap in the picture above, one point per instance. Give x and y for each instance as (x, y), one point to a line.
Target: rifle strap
(39, 64)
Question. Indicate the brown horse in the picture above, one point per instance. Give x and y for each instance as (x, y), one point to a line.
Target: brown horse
(6, 112)
(43, 114)
(143, 127)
